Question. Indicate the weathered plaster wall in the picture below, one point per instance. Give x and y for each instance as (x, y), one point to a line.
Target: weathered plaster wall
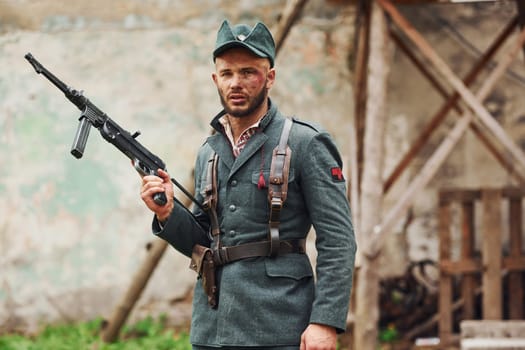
(73, 232)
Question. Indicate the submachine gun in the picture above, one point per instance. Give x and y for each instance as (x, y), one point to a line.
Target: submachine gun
(145, 162)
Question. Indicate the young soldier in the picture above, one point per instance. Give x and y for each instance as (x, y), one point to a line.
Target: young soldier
(263, 182)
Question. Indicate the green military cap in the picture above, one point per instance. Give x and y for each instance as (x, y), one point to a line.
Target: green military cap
(258, 40)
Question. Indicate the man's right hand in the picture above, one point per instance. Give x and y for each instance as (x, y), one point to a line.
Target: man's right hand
(152, 184)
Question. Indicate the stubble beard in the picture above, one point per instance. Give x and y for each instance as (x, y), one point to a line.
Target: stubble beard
(254, 104)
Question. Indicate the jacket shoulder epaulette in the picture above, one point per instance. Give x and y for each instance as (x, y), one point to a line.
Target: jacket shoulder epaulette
(308, 124)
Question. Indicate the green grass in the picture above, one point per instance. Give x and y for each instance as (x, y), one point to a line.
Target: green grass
(146, 334)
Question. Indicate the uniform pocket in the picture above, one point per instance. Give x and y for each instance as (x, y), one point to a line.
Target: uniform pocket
(295, 266)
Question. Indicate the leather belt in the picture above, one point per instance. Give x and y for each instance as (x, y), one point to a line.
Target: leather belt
(226, 255)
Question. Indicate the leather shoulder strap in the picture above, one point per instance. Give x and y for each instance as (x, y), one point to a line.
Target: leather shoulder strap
(278, 187)
(210, 196)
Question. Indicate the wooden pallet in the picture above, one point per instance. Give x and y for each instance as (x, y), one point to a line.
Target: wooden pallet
(480, 270)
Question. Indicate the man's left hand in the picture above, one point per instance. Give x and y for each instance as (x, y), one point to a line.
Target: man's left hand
(319, 337)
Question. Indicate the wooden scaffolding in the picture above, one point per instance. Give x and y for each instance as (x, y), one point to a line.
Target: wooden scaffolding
(373, 32)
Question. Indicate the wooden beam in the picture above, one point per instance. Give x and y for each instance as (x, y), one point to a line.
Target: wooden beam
(418, 2)
(362, 33)
(288, 18)
(445, 279)
(438, 118)
(468, 283)
(478, 108)
(515, 283)
(500, 156)
(514, 263)
(468, 266)
(520, 4)
(423, 69)
(448, 195)
(367, 292)
(463, 266)
(492, 246)
(451, 103)
(453, 194)
(441, 153)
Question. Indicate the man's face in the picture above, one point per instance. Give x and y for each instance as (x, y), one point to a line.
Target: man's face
(243, 81)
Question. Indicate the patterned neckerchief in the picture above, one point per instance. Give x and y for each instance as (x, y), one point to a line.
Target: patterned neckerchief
(238, 146)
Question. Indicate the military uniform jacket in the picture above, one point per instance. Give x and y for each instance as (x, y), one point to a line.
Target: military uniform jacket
(268, 301)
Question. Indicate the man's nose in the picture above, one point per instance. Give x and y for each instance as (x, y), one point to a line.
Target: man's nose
(236, 80)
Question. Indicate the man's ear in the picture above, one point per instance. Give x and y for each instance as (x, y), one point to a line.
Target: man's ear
(214, 77)
(270, 78)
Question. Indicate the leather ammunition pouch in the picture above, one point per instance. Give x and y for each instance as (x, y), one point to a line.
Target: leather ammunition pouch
(202, 263)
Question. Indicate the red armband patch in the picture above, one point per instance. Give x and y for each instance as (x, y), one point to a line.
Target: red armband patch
(337, 174)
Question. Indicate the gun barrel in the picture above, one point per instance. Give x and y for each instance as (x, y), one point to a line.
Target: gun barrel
(40, 69)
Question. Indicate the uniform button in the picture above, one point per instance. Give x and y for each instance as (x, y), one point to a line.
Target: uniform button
(234, 182)
(233, 207)
(232, 233)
